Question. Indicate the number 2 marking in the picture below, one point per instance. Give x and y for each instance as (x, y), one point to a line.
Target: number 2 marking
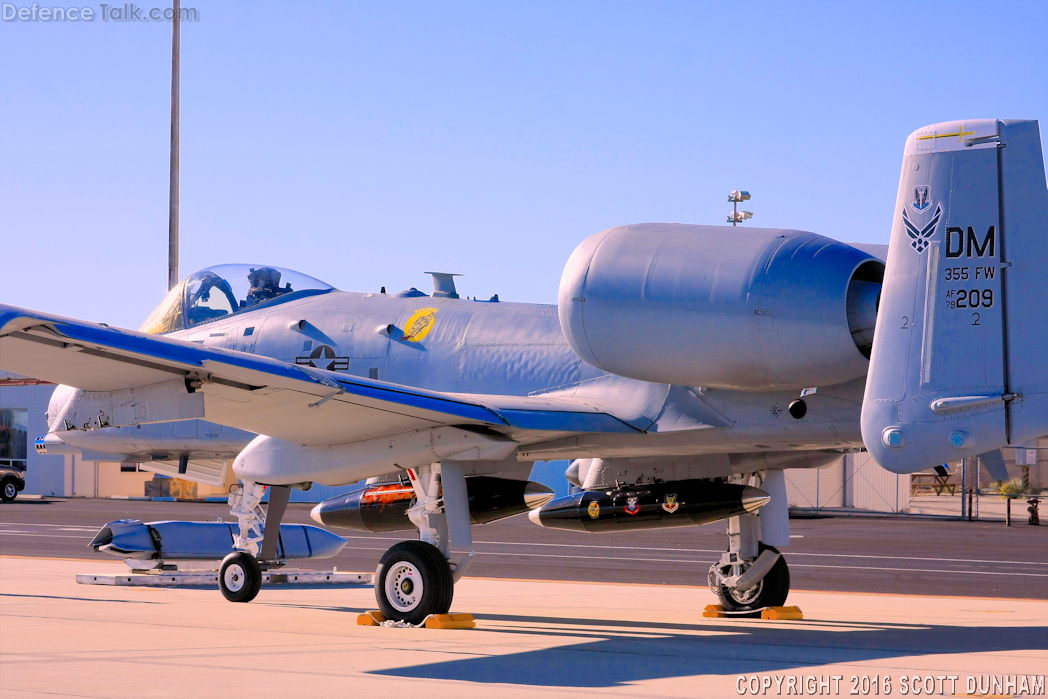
(905, 323)
(977, 318)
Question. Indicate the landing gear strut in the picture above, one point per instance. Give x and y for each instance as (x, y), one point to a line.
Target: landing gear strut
(240, 575)
(750, 575)
(416, 578)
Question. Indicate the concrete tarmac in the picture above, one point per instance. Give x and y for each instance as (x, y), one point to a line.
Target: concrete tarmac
(542, 639)
(849, 554)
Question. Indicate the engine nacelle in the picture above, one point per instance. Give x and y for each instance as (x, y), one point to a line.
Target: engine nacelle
(720, 306)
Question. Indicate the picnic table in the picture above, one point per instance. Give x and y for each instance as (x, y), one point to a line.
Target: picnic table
(925, 482)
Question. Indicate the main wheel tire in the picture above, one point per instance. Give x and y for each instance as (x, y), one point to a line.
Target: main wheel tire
(770, 592)
(8, 490)
(412, 581)
(239, 577)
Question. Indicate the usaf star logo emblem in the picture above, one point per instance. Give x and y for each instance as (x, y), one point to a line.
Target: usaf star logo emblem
(920, 238)
(632, 505)
(671, 503)
(323, 357)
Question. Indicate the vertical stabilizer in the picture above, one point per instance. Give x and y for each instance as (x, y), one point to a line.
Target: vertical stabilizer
(961, 343)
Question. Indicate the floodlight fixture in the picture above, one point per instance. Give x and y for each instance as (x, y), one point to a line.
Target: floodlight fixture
(736, 217)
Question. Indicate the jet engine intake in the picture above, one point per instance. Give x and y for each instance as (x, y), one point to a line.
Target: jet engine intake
(721, 307)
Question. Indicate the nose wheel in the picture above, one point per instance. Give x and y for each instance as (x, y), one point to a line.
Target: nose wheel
(240, 577)
(413, 580)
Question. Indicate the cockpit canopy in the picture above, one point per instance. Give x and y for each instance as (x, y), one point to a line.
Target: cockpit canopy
(223, 290)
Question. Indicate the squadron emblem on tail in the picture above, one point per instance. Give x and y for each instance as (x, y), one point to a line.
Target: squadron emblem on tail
(922, 198)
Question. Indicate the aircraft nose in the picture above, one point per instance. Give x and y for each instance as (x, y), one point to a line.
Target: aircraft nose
(534, 517)
(315, 513)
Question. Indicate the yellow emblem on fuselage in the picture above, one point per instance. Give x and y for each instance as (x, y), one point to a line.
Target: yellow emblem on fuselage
(594, 509)
(419, 324)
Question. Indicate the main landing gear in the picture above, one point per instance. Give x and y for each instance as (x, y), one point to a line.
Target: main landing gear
(750, 575)
(240, 575)
(415, 578)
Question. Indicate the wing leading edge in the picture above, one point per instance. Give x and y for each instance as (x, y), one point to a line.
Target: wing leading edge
(148, 378)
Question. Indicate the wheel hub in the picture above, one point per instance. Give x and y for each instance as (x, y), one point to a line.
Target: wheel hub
(234, 577)
(404, 586)
(717, 581)
(747, 596)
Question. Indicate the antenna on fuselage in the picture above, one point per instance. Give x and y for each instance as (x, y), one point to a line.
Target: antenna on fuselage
(444, 285)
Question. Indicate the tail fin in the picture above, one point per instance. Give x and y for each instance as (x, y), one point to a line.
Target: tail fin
(961, 344)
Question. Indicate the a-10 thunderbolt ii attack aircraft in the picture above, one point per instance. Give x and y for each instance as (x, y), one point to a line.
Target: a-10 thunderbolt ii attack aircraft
(676, 370)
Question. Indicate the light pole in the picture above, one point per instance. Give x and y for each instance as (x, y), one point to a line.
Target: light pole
(172, 214)
(736, 217)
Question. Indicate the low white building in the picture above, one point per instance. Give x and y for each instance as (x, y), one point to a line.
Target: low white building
(23, 408)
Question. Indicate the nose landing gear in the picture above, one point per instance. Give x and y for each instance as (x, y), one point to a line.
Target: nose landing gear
(240, 575)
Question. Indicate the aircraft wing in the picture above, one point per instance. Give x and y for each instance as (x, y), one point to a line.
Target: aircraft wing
(139, 378)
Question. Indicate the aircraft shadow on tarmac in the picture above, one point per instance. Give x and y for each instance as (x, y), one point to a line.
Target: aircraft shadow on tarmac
(735, 649)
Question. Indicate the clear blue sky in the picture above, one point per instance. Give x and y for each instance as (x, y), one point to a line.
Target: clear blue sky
(365, 143)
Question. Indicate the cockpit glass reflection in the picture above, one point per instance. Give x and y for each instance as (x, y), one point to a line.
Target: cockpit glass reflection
(208, 296)
(223, 290)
